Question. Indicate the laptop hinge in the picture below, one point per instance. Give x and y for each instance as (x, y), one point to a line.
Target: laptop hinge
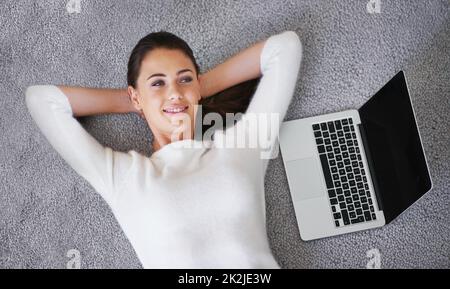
(371, 167)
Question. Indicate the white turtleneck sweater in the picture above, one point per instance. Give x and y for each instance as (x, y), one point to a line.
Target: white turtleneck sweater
(192, 204)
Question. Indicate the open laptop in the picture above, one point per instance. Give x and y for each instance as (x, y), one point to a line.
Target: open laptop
(356, 169)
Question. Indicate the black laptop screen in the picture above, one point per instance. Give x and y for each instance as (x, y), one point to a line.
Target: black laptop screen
(397, 158)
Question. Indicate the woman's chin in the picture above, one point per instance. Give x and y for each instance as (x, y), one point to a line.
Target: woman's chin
(177, 117)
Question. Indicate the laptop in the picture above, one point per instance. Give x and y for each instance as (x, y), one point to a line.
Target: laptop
(356, 169)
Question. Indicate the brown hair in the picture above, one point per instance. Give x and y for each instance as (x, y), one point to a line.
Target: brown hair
(231, 100)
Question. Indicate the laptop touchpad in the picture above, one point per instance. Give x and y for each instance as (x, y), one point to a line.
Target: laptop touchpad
(305, 179)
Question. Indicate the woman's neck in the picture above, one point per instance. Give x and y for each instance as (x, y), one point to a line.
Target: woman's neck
(160, 140)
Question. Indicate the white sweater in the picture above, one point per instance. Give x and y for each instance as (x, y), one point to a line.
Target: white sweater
(188, 205)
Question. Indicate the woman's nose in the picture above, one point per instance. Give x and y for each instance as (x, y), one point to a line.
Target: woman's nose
(174, 96)
(175, 93)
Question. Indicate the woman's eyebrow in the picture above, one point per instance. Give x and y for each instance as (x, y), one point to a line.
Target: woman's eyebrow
(160, 74)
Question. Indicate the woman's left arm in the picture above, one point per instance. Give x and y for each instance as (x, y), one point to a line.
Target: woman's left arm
(277, 60)
(241, 67)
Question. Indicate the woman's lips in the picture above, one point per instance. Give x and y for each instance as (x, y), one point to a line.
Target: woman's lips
(175, 110)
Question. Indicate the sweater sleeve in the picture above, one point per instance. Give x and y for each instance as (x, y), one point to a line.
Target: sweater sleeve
(280, 64)
(99, 165)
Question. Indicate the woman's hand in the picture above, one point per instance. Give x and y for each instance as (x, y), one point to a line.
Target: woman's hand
(204, 89)
(239, 68)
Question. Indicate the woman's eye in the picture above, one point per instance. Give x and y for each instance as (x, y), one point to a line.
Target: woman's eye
(186, 79)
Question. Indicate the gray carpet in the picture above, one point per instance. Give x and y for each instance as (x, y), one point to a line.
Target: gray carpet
(46, 209)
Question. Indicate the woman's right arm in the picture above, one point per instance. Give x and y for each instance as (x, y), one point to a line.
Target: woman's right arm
(54, 109)
(92, 101)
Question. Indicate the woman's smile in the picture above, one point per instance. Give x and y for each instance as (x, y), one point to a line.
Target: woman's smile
(174, 109)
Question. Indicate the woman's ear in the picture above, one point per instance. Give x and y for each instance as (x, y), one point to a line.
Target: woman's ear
(134, 98)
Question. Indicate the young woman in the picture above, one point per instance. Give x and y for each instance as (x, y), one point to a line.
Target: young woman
(192, 203)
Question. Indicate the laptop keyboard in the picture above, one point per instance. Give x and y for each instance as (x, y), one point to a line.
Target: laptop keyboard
(344, 172)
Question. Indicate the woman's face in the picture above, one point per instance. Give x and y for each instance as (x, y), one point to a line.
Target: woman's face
(167, 91)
